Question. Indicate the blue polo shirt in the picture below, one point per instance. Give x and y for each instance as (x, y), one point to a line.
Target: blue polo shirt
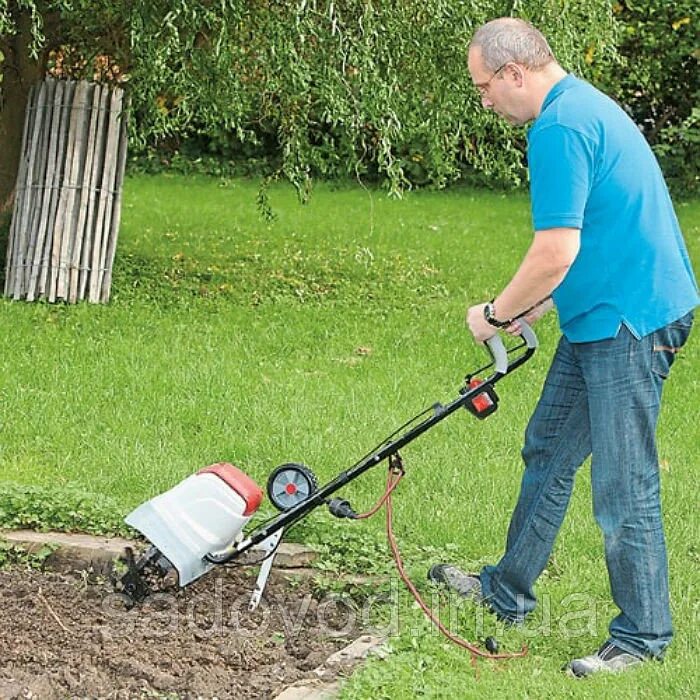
(591, 169)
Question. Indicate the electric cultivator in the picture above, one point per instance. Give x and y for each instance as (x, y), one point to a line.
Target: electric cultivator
(199, 524)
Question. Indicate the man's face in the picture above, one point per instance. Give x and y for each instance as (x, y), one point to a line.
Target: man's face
(500, 90)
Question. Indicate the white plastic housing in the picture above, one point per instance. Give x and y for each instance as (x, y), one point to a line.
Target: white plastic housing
(202, 514)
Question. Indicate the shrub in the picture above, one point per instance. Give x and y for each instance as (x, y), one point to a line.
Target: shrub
(658, 80)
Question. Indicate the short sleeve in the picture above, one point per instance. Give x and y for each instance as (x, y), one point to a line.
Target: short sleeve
(560, 161)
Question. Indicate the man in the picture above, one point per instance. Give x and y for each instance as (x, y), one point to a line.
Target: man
(608, 253)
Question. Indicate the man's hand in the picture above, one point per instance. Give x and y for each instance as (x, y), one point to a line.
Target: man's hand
(482, 330)
(477, 324)
(531, 317)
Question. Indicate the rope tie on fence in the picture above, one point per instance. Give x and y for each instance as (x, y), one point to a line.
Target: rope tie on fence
(43, 188)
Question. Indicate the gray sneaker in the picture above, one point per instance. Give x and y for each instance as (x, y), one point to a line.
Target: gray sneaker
(609, 658)
(466, 585)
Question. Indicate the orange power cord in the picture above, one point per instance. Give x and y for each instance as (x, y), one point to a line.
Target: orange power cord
(394, 476)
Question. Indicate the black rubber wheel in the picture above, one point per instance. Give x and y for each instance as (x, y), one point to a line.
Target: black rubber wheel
(289, 485)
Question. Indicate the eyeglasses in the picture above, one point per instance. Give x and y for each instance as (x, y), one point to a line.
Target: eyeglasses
(483, 88)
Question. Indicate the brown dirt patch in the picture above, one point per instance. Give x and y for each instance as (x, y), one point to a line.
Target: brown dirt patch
(62, 637)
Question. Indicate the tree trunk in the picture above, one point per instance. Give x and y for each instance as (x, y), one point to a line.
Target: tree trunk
(19, 72)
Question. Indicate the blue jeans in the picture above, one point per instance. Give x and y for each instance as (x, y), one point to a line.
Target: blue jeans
(601, 399)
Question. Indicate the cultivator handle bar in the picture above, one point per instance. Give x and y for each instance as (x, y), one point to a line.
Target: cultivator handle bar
(503, 361)
(499, 354)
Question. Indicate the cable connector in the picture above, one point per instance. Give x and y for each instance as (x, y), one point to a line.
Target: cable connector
(341, 508)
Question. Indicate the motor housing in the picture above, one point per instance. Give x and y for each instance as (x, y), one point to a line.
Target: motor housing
(202, 514)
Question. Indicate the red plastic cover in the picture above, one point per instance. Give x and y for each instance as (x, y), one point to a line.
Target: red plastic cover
(241, 483)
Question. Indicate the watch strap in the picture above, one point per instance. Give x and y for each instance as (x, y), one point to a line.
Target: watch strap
(490, 317)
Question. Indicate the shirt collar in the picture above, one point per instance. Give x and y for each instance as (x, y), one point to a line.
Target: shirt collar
(557, 89)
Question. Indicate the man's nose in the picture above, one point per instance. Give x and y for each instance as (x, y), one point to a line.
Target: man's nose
(486, 102)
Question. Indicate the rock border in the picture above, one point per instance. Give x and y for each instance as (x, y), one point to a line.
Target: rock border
(81, 552)
(341, 663)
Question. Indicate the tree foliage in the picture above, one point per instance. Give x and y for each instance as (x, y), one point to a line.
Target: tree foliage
(338, 87)
(352, 87)
(658, 80)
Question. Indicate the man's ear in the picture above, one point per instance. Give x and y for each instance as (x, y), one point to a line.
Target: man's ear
(517, 73)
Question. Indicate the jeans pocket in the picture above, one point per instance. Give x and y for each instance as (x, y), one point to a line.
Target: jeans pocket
(667, 344)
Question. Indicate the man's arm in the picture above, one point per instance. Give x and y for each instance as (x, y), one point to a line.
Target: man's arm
(544, 266)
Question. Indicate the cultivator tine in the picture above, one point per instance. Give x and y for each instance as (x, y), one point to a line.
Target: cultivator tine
(132, 583)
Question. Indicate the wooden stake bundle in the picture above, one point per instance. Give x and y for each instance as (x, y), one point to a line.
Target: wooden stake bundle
(67, 208)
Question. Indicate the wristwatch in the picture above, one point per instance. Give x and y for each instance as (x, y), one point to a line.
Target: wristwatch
(489, 315)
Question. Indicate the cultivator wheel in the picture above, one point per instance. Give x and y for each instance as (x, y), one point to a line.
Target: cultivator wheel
(290, 484)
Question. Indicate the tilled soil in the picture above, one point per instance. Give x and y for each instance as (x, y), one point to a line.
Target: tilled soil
(62, 637)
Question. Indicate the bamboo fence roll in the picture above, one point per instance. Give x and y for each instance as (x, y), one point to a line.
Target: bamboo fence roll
(65, 220)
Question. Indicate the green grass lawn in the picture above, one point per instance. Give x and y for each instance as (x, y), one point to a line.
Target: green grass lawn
(310, 339)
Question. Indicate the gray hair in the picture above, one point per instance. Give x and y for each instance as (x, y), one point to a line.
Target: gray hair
(510, 39)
